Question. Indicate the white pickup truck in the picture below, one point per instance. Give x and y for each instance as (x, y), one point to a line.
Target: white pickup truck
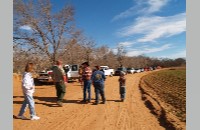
(45, 76)
(107, 71)
(71, 71)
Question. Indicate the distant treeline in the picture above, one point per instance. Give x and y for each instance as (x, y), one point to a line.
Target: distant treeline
(77, 54)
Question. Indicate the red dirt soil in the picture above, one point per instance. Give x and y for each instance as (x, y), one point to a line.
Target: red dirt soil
(132, 114)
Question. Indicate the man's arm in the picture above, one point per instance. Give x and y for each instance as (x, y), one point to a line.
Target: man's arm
(65, 78)
(64, 75)
(104, 77)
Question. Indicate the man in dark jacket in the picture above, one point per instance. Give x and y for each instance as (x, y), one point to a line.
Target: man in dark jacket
(98, 79)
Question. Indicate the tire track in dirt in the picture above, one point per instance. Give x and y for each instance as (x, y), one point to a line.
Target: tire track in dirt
(139, 115)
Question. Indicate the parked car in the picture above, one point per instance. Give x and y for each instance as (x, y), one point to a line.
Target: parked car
(130, 70)
(142, 69)
(107, 71)
(45, 76)
(154, 68)
(137, 70)
(118, 71)
(151, 68)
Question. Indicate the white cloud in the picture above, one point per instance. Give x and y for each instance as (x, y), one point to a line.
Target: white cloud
(155, 5)
(26, 27)
(114, 50)
(147, 50)
(179, 54)
(142, 6)
(126, 43)
(155, 27)
(125, 14)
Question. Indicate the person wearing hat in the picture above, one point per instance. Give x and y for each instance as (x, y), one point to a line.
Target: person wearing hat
(122, 85)
(86, 78)
(98, 78)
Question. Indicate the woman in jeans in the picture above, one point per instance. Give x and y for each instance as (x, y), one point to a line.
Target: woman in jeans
(28, 88)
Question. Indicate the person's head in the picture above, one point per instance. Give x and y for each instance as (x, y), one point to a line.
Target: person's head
(85, 64)
(29, 67)
(97, 67)
(58, 62)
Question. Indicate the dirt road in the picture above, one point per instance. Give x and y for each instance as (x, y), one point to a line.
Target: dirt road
(114, 115)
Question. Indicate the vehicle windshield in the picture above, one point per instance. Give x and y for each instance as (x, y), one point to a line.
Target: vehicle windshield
(74, 67)
(121, 69)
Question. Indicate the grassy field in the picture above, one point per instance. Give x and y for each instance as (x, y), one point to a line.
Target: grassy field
(170, 86)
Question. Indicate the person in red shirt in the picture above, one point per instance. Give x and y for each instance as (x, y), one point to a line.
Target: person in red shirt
(86, 77)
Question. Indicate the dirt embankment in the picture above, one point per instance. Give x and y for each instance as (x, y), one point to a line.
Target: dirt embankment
(114, 115)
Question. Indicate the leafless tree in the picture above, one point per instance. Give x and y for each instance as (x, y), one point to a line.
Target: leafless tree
(121, 55)
(37, 27)
(88, 47)
(104, 56)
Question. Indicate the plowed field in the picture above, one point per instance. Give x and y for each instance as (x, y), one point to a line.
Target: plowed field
(167, 89)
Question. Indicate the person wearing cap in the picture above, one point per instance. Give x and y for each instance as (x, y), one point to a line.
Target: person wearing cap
(122, 85)
(98, 78)
(86, 78)
(60, 81)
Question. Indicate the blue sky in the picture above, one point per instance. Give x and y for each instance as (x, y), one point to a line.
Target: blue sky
(155, 28)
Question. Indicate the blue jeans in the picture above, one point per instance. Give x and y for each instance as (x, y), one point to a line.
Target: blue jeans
(28, 100)
(122, 92)
(87, 89)
(99, 89)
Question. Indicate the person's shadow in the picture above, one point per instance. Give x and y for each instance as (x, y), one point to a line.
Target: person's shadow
(114, 100)
(44, 101)
(15, 117)
(48, 101)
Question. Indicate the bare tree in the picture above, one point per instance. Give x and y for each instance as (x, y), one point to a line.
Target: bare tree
(74, 53)
(180, 62)
(121, 55)
(38, 28)
(88, 48)
(104, 56)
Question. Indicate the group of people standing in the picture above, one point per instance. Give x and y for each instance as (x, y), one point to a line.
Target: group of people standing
(96, 78)
(88, 77)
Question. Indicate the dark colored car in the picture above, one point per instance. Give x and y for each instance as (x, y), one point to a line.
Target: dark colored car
(118, 71)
